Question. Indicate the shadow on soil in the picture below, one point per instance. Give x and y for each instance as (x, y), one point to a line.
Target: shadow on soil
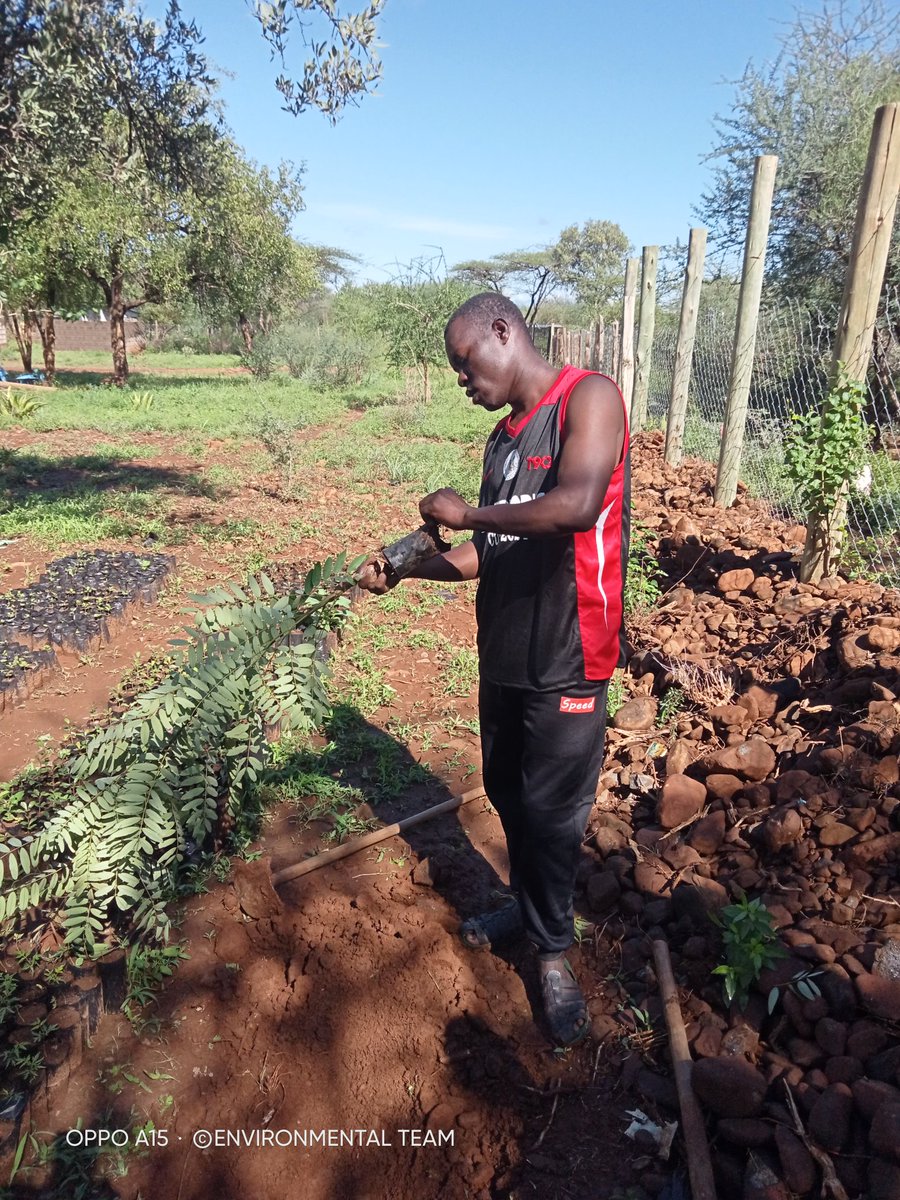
(28, 477)
(346, 1002)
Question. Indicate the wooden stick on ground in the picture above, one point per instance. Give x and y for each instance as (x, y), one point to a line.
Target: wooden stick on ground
(372, 839)
(699, 1164)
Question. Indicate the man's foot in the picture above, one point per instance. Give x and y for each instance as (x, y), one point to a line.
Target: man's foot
(564, 1005)
(498, 925)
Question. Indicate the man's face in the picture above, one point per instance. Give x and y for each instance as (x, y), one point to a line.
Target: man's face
(481, 362)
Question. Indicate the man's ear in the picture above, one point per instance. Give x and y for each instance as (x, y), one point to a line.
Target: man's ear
(500, 329)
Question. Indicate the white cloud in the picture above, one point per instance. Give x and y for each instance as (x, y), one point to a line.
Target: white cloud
(364, 214)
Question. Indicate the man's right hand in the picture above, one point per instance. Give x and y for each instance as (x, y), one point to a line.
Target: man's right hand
(376, 576)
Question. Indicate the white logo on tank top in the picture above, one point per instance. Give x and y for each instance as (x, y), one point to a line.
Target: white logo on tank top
(511, 465)
(494, 539)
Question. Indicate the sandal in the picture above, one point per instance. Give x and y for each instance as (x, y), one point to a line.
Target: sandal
(498, 925)
(564, 1005)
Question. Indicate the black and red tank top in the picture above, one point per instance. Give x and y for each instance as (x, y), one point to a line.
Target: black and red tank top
(549, 609)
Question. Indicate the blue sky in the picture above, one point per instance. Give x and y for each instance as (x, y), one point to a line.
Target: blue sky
(497, 124)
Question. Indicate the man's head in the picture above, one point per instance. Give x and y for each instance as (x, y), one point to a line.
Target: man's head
(487, 345)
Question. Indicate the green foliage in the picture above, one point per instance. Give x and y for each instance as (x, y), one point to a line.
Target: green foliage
(147, 969)
(642, 580)
(277, 436)
(813, 107)
(261, 360)
(616, 694)
(18, 405)
(826, 450)
(590, 259)
(751, 946)
(142, 401)
(341, 68)
(187, 754)
(411, 314)
(528, 273)
(673, 703)
(803, 986)
(326, 357)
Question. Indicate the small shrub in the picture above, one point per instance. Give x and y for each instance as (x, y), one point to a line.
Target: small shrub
(142, 401)
(277, 436)
(327, 357)
(18, 405)
(262, 360)
(751, 946)
(671, 705)
(642, 580)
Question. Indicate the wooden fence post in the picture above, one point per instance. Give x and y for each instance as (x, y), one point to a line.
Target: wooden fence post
(859, 306)
(626, 353)
(745, 329)
(599, 339)
(615, 347)
(646, 324)
(684, 347)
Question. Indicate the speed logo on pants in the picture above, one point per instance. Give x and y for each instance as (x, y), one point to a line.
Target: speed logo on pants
(572, 704)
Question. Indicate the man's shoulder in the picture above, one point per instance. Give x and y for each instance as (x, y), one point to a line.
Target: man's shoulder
(595, 395)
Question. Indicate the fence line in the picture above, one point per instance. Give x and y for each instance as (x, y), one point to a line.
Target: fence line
(790, 375)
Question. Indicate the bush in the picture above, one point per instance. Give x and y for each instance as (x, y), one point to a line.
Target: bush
(262, 360)
(325, 357)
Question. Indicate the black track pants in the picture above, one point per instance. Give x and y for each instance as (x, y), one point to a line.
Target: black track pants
(542, 753)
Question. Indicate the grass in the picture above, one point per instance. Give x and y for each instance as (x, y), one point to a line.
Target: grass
(146, 361)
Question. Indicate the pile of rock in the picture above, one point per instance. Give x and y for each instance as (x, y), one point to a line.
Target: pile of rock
(780, 780)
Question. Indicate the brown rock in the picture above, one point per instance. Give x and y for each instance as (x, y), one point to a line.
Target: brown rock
(749, 1132)
(829, 1120)
(836, 834)
(766, 700)
(866, 1038)
(881, 638)
(782, 829)
(735, 581)
(651, 877)
(884, 1180)
(636, 714)
(730, 1087)
(752, 760)
(608, 841)
(679, 757)
(797, 1164)
(708, 834)
(603, 891)
(880, 997)
(723, 787)
(871, 1094)
(831, 1035)
(884, 1132)
(851, 654)
(732, 716)
(681, 799)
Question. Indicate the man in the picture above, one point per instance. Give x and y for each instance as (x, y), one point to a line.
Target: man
(549, 548)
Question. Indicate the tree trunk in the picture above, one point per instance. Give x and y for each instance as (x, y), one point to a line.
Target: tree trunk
(246, 332)
(117, 332)
(22, 332)
(47, 330)
(427, 382)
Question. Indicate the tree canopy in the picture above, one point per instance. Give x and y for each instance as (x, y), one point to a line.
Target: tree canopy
(813, 107)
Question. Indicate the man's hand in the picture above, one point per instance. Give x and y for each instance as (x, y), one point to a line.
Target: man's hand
(376, 576)
(446, 507)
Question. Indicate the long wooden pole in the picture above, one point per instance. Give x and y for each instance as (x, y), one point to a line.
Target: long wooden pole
(684, 347)
(307, 865)
(745, 329)
(699, 1165)
(863, 282)
(626, 355)
(646, 325)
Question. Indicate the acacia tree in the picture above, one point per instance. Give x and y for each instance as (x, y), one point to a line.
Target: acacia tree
(529, 274)
(590, 259)
(812, 107)
(244, 266)
(411, 312)
(66, 65)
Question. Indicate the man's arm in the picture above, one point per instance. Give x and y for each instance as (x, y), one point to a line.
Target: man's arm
(594, 436)
(453, 566)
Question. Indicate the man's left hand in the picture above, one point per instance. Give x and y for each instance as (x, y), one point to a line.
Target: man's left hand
(446, 507)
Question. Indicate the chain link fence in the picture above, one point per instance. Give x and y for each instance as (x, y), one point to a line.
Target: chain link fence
(790, 376)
